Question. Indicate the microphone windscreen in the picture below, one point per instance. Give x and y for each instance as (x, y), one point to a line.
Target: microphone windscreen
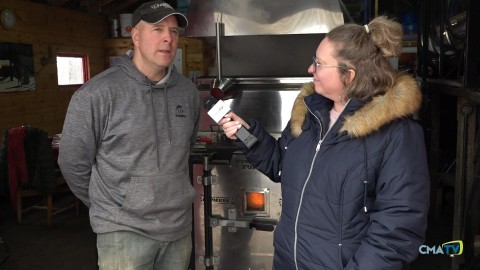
(208, 102)
(217, 93)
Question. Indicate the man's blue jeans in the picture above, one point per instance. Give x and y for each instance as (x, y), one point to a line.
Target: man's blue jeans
(131, 251)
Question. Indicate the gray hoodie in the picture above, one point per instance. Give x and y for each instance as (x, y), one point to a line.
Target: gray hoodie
(124, 151)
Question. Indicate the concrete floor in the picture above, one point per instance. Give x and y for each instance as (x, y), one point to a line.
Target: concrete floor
(69, 244)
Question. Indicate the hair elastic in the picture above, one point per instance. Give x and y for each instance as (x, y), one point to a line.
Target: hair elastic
(366, 28)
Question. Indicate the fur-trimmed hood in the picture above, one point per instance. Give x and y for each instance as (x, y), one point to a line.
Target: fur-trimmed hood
(403, 99)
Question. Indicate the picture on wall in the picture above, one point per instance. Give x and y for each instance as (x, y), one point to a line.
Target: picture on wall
(17, 71)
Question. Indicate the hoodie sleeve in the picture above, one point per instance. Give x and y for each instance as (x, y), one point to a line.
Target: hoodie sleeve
(196, 108)
(398, 220)
(78, 143)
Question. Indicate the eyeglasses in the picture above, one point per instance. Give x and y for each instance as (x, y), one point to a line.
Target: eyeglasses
(316, 64)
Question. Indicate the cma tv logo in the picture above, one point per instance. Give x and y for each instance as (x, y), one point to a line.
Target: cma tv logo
(452, 248)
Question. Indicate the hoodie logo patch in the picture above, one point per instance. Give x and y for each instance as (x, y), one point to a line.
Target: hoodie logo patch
(179, 112)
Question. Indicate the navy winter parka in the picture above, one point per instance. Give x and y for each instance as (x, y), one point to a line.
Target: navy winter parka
(355, 196)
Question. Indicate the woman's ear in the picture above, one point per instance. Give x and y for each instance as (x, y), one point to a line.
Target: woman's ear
(351, 73)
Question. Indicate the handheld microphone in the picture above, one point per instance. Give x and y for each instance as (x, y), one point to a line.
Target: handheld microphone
(219, 110)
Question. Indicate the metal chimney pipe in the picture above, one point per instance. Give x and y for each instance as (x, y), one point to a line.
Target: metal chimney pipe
(220, 84)
(219, 27)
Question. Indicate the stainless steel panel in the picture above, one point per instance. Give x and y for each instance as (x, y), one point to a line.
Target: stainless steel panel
(267, 100)
(236, 248)
(268, 55)
(263, 17)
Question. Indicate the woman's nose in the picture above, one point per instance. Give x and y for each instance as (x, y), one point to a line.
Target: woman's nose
(310, 69)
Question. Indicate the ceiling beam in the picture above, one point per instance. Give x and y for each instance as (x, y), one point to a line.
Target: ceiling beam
(57, 3)
(101, 3)
(124, 5)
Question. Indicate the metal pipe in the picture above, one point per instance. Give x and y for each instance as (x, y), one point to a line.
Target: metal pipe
(367, 14)
(466, 111)
(207, 209)
(218, 33)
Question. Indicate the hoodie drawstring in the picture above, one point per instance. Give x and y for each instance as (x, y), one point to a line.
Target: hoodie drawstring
(154, 122)
(168, 116)
(365, 182)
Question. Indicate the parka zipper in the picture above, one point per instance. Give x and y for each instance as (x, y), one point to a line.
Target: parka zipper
(317, 149)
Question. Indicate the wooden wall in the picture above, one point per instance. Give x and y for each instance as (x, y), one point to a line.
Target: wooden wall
(49, 30)
(197, 56)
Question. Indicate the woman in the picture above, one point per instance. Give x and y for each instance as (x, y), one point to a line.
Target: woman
(352, 161)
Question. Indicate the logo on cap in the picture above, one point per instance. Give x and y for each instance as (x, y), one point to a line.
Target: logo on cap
(157, 5)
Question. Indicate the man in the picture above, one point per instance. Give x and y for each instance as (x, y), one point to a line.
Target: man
(125, 147)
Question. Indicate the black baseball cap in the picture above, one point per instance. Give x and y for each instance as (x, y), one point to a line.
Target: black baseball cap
(155, 11)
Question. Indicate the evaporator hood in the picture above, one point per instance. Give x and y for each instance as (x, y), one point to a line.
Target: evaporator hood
(263, 17)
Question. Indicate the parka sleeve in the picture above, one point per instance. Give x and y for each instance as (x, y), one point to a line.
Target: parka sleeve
(78, 143)
(398, 220)
(266, 155)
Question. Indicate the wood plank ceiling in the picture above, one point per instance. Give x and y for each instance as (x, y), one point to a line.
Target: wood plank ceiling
(106, 8)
